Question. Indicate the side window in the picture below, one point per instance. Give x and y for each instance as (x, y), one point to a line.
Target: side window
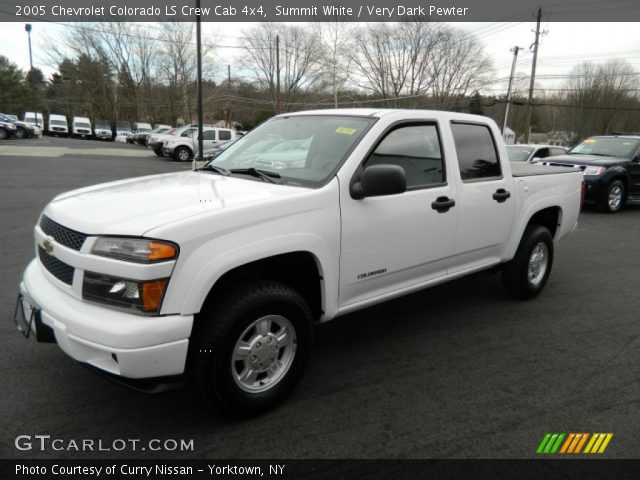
(557, 151)
(477, 157)
(224, 135)
(415, 148)
(542, 153)
(188, 133)
(209, 135)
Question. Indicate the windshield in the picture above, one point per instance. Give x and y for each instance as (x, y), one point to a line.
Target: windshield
(518, 154)
(62, 123)
(82, 125)
(302, 150)
(103, 124)
(609, 147)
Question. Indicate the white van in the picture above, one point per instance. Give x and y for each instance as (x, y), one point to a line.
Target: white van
(57, 125)
(33, 119)
(81, 127)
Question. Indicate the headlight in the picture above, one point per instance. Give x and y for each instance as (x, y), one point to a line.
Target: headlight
(142, 296)
(137, 250)
(593, 171)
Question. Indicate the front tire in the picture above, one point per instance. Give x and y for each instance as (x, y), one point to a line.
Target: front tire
(249, 350)
(526, 274)
(20, 132)
(182, 154)
(613, 198)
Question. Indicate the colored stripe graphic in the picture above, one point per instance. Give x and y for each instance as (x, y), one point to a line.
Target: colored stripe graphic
(574, 443)
(550, 443)
(598, 443)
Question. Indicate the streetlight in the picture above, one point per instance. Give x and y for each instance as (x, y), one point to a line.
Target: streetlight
(515, 51)
(27, 28)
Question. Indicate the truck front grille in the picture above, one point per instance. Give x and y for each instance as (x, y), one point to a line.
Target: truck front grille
(57, 268)
(63, 235)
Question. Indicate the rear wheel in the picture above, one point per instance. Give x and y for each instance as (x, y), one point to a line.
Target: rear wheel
(249, 352)
(182, 154)
(3, 134)
(613, 198)
(525, 276)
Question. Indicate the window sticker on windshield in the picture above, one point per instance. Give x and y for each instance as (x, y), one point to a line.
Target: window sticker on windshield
(626, 143)
(590, 140)
(345, 130)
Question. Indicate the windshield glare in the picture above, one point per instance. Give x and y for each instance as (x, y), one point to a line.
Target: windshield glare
(611, 147)
(518, 154)
(303, 150)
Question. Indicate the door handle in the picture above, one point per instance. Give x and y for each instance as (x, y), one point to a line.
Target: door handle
(501, 195)
(443, 204)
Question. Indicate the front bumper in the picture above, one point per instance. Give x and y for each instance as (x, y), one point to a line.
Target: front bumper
(594, 188)
(119, 343)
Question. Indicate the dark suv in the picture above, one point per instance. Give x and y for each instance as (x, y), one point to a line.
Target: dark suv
(23, 130)
(611, 168)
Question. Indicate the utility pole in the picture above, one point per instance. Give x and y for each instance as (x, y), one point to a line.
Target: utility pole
(199, 84)
(227, 120)
(27, 28)
(533, 73)
(515, 51)
(277, 74)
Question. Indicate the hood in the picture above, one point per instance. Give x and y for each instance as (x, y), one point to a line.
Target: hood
(135, 206)
(595, 160)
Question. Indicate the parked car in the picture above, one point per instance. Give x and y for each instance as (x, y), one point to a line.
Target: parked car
(224, 271)
(182, 149)
(611, 168)
(57, 125)
(531, 153)
(81, 127)
(143, 137)
(7, 130)
(156, 141)
(23, 129)
(102, 130)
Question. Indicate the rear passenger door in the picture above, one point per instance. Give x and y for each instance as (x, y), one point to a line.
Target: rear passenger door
(485, 198)
(208, 139)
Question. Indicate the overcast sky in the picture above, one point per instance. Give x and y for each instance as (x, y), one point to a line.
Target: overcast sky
(562, 46)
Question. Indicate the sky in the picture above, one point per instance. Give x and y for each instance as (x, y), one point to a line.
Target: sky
(561, 47)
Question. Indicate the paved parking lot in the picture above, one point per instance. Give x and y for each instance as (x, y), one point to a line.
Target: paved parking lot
(458, 371)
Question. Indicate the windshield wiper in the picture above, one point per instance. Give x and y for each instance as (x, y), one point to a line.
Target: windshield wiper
(214, 169)
(265, 175)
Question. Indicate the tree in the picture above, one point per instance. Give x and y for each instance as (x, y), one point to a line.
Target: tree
(15, 95)
(300, 65)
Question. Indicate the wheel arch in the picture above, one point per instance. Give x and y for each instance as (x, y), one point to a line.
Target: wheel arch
(301, 270)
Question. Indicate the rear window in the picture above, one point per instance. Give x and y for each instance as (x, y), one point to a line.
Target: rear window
(224, 135)
(477, 156)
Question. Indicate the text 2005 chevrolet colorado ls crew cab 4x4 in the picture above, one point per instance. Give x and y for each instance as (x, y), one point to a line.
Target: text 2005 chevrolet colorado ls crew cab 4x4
(223, 271)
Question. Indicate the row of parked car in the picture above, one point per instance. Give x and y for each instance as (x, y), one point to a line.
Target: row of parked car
(10, 127)
(610, 166)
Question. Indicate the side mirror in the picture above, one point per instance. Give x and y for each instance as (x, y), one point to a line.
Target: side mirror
(535, 159)
(378, 180)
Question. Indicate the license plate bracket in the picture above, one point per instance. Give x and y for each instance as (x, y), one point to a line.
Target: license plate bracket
(25, 316)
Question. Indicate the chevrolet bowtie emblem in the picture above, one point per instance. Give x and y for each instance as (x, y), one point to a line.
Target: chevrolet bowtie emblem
(48, 246)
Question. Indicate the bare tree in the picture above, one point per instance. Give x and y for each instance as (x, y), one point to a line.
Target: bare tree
(458, 66)
(335, 37)
(300, 66)
(596, 96)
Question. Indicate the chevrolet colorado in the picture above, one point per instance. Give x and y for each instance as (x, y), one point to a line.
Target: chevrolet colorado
(221, 273)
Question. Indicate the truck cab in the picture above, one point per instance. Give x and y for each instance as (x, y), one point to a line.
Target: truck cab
(81, 127)
(57, 125)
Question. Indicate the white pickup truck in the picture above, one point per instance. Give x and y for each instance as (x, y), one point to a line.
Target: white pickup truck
(222, 272)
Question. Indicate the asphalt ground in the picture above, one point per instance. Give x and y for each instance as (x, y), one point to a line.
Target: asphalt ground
(457, 371)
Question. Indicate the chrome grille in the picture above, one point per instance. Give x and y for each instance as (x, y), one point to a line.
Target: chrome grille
(63, 235)
(57, 268)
